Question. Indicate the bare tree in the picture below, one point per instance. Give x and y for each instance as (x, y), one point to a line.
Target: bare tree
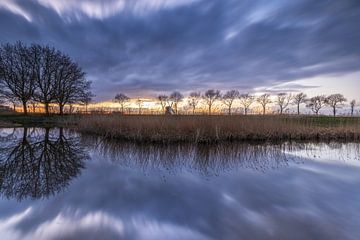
(246, 100)
(70, 83)
(298, 99)
(163, 99)
(122, 99)
(210, 96)
(194, 100)
(283, 100)
(140, 104)
(44, 63)
(229, 98)
(264, 100)
(335, 101)
(316, 103)
(352, 107)
(16, 73)
(176, 97)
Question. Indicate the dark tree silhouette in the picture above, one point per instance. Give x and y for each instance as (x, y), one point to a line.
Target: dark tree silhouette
(163, 99)
(246, 100)
(283, 100)
(335, 101)
(264, 100)
(229, 98)
(176, 97)
(316, 103)
(16, 73)
(298, 99)
(39, 166)
(122, 99)
(71, 85)
(352, 107)
(210, 96)
(44, 60)
(193, 100)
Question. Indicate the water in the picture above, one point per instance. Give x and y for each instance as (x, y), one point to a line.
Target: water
(57, 184)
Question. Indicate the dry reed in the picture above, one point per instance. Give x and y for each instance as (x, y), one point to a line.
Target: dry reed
(145, 128)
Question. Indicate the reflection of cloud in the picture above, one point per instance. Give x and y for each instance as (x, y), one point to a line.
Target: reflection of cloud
(113, 201)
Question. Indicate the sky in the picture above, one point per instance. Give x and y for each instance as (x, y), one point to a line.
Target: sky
(148, 47)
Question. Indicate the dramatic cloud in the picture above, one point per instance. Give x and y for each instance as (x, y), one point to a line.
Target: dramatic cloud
(161, 45)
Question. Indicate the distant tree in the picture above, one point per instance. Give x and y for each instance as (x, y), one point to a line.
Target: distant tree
(16, 73)
(335, 101)
(210, 96)
(264, 100)
(316, 103)
(194, 100)
(122, 99)
(86, 100)
(163, 99)
(229, 98)
(352, 107)
(176, 97)
(70, 83)
(246, 100)
(140, 104)
(283, 100)
(298, 99)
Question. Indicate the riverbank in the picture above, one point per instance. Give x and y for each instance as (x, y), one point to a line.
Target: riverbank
(209, 129)
(198, 128)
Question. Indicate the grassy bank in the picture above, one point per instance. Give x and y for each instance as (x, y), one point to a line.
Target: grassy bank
(220, 128)
(35, 120)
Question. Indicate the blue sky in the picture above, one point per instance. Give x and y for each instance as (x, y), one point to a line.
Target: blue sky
(146, 47)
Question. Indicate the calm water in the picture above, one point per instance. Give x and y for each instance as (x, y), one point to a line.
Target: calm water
(56, 184)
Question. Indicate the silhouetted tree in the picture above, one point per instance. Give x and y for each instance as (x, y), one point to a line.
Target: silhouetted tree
(316, 103)
(16, 73)
(352, 107)
(122, 99)
(264, 100)
(229, 98)
(246, 100)
(298, 99)
(140, 104)
(176, 97)
(163, 99)
(210, 96)
(335, 101)
(283, 100)
(44, 60)
(70, 83)
(193, 100)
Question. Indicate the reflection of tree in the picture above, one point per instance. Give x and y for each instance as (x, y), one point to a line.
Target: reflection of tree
(39, 164)
(203, 158)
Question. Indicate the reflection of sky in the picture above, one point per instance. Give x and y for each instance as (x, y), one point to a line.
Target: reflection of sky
(309, 200)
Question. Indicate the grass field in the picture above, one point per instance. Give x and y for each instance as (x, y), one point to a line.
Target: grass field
(220, 128)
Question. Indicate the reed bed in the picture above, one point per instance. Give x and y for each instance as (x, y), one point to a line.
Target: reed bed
(208, 129)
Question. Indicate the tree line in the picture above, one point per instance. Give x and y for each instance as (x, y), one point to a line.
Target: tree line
(246, 101)
(41, 74)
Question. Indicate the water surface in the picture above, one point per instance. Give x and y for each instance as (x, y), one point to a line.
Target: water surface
(57, 184)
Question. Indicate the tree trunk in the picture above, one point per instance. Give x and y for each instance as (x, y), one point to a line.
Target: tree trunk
(209, 109)
(245, 111)
(46, 108)
(24, 108)
(264, 110)
(229, 110)
(61, 109)
(334, 111)
(193, 111)
(298, 109)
